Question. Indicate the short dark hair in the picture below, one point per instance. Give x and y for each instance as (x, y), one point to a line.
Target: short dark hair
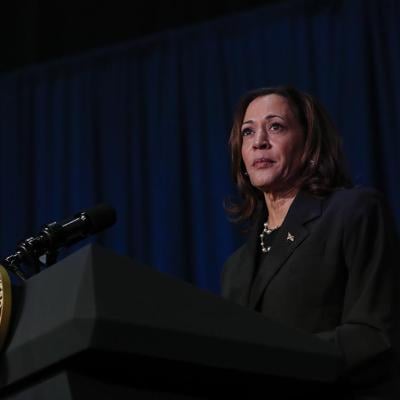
(322, 163)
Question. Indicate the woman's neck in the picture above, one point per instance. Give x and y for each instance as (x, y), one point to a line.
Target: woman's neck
(278, 205)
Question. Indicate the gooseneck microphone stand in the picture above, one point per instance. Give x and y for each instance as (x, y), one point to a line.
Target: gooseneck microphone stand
(58, 235)
(29, 252)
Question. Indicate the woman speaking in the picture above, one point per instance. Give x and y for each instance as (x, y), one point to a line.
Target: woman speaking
(320, 253)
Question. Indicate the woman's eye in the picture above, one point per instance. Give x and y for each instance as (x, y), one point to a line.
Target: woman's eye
(246, 132)
(275, 127)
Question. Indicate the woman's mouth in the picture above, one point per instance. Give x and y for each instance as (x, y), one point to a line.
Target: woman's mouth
(263, 162)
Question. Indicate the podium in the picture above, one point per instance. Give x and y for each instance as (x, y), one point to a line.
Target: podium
(100, 325)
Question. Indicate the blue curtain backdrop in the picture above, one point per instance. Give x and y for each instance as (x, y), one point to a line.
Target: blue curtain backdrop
(144, 125)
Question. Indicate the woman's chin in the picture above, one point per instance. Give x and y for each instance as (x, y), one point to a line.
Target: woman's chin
(263, 186)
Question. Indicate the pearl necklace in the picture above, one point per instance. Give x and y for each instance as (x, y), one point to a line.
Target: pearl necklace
(266, 231)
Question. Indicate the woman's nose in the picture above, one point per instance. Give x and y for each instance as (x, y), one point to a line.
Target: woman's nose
(261, 140)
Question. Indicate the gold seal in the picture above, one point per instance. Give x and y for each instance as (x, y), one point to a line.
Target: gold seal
(5, 304)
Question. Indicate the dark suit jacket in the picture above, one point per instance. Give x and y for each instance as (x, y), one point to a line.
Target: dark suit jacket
(337, 278)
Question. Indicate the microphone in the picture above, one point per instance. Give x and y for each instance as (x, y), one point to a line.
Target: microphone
(57, 235)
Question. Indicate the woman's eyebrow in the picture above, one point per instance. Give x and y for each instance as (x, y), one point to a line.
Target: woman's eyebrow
(274, 115)
(267, 117)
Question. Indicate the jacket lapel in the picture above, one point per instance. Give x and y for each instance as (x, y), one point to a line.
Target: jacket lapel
(291, 234)
(247, 262)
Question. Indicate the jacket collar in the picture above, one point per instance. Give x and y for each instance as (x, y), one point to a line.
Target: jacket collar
(292, 233)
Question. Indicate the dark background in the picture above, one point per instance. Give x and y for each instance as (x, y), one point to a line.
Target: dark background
(38, 31)
(132, 105)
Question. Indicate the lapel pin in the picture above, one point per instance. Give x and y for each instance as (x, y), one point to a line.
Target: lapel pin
(290, 237)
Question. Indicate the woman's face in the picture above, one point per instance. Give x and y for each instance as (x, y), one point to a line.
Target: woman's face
(273, 142)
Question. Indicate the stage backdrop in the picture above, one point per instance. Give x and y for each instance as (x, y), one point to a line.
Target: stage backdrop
(144, 125)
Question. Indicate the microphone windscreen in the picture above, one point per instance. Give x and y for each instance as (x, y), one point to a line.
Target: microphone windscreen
(101, 217)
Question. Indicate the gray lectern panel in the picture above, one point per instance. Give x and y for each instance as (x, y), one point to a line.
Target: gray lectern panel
(95, 300)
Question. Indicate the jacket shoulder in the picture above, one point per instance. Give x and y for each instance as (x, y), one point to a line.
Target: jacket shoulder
(356, 199)
(357, 192)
